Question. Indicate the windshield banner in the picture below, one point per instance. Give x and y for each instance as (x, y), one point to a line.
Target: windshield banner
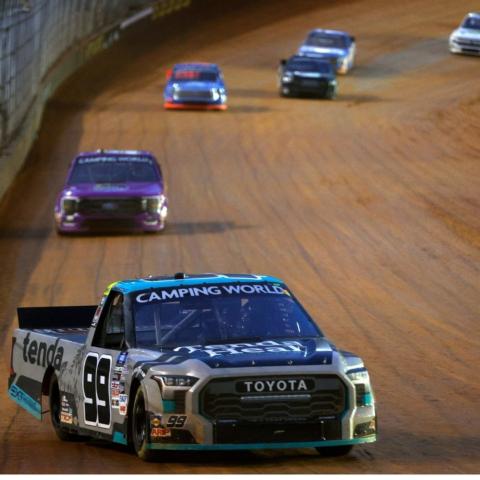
(210, 290)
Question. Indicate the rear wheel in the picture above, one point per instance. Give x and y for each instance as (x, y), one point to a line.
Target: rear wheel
(55, 409)
(139, 428)
(337, 451)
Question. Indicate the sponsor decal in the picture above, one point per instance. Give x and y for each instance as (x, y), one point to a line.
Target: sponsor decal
(276, 385)
(66, 412)
(117, 385)
(42, 353)
(267, 346)
(122, 404)
(66, 418)
(160, 432)
(176, 421)
(27, 402)
(156, 421)
(211, 290)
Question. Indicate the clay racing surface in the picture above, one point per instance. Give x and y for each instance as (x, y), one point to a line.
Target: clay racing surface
(367, 206)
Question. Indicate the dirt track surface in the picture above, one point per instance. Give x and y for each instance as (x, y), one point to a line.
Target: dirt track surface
(367, 206)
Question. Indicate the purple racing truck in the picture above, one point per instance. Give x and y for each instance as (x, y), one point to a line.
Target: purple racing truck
(112, 190)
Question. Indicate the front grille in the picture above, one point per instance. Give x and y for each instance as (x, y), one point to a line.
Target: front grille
(310, 84)
(329, 429)
(193, 95)
(360, 394)
(469, 43)
(221, 401)
(110, 207)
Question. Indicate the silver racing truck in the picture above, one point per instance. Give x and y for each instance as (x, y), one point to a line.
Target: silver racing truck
(192, 362)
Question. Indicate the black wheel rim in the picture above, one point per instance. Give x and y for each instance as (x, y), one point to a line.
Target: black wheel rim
(55, 406)
(139, 429)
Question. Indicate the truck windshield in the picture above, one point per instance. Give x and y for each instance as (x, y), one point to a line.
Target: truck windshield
(218, 314)
(327, 41)
(309, 66)
(472, 23)
(113, 170)
(194, 76)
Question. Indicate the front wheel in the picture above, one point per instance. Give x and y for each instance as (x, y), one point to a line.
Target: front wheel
(337, 451)
(331, 93)
(55, 409)
(140, 426)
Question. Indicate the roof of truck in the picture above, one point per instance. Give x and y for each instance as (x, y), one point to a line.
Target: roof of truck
(184, 279)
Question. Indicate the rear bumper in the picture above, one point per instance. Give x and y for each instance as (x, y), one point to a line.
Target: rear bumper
(194, 106)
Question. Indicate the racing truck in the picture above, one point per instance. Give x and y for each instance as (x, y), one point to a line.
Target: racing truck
(334, 45)
(195, 86)
(112, 190)
(466, 38)
(301, 75)
(192, 362)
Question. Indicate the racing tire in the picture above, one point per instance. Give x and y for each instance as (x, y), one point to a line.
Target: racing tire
(55, 407)
(337, 451)
(139, 428)
(331, 93)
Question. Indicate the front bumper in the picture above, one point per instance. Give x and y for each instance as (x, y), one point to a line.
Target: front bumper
(80, 223)
(262, 446)
(466, 48)
(194, 106)
(319, 89)
(355, 424)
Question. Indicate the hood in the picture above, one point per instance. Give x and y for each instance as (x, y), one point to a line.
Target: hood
(322, 51)
(467, 33)
(120, 190)
(196, 86)
(312, 351)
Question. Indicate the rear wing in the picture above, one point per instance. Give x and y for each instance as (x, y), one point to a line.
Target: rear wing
(56, 317)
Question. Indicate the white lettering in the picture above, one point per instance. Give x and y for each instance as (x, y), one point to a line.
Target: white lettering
(231, 288)
(281, 385)
(141, 298)
(214, 291)
(302, 385)
(172, 294)
(153, 296)
(252, 350)
(259, 289)
(270, 385)
(249, 386)
(246, 289)
(259, 386)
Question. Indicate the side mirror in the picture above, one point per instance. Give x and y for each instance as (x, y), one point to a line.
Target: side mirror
(283, 62)
(352, 38)
(168, 74)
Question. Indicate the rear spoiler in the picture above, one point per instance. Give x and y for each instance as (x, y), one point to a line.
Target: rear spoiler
(56, 317)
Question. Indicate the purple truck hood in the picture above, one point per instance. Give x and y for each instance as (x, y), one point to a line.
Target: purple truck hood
(112, 190)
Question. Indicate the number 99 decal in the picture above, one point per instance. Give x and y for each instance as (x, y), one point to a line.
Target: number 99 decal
(96, 390)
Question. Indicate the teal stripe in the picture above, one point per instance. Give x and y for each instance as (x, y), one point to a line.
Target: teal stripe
(367, 399)
(25, 401)
(128, 286)
(169, 406)
(254, 446)
(119, 437)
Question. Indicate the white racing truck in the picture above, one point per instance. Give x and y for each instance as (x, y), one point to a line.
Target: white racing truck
(192, 362)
